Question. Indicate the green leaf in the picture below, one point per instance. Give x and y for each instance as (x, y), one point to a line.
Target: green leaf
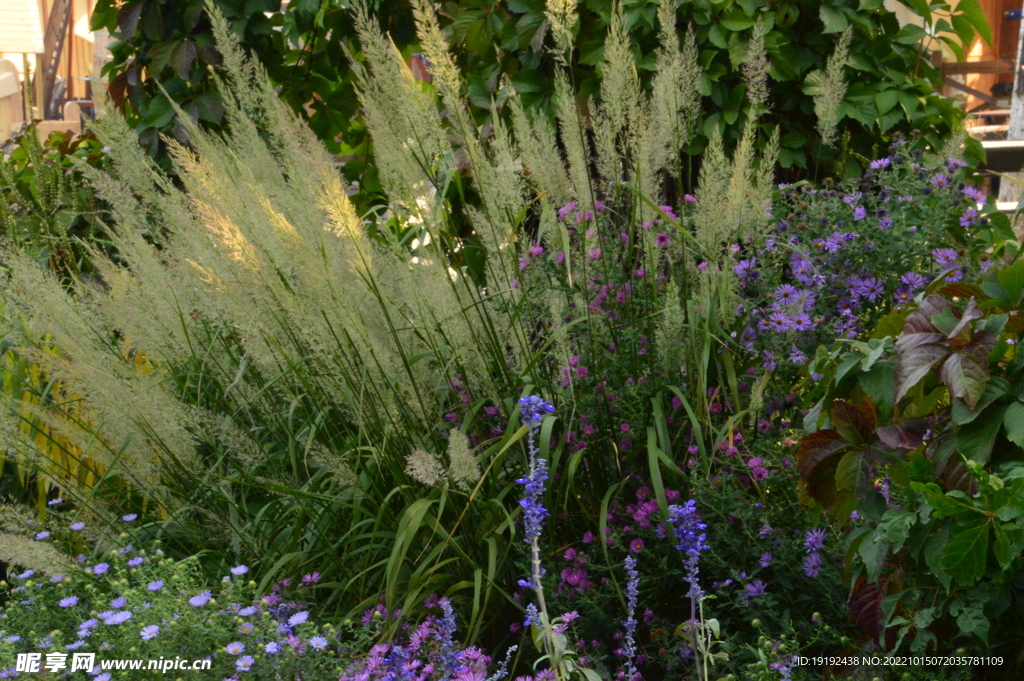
(896, 524)
(589, 674)
(160, 54)
(943, 505)
(1009, 543)
(965, 555)
(972, 10)
(873, 551)
(1013, 422)
(1012, 279)
(996, 387)
(976, 439)
(835, 21)
(885, 100)
(972, 620)
(910, 34)
(933, 555)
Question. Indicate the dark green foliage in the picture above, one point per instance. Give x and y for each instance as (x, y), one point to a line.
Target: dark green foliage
(893, 84)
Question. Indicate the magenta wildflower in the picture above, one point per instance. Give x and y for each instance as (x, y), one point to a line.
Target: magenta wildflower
(662, 240)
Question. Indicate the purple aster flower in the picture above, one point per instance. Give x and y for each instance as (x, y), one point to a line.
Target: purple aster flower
(662, 240)
(75, 527)
(796, 356)
(904, 294)
(272, 648)
(149, 632)
(130, 517)
(913, 280)
(944, 256)
(200, 600)
(967, 219)
(636, 546)
(248, 611)
(136, 561)
(870, 288)
(885, 223)
(100, 568)
(235, 648)
(311, 578)
(940, 180)
(54, 502)
(860, 212)
(766, 531)
(245, 663)
(955, 275)
(881, 163)
(779, 321)
(118, 602)
(298, 618)
(68, 602)
(768, 360)
(974, 194)
(766, 559)
(812, 565)
(155, 586)
(802, 322)
(42, 535)
(318, 642)
(117, 618)
(755, 588)
(814, 539)
(785, 294)
(745, 269)
(239, 570)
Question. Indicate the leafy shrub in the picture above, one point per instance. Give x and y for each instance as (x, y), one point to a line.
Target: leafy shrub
(896, 88)
(48, 209)
(929, 453)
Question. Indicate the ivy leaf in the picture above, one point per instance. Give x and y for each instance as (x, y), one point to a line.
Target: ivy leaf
(907, 434)
(976, 439)
(128, 20)
(856, 423)
(817, 460)
(965, 373)
(1012, 279)
(933, 556)
(896, 524)
(972, 11)
(1013, 422)
(872, 551)
(972, 620)
(1009, 543)
(182, 57)
(909, 35)
(965, 555)
(835, 21)
(915, 365)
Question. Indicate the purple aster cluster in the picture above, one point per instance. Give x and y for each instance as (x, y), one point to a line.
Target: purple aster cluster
(814, 540)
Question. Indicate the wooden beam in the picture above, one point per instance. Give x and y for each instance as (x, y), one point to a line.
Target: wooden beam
(1003, 156)
(969, 90)
(971, 67)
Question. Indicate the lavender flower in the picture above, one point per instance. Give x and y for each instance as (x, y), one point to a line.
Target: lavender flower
(631, 598)
(687, 526)
(449, 657)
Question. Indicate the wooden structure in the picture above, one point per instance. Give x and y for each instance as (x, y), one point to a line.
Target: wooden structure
(51, 49)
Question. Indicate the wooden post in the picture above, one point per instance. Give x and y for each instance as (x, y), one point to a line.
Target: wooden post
(1008, 191)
